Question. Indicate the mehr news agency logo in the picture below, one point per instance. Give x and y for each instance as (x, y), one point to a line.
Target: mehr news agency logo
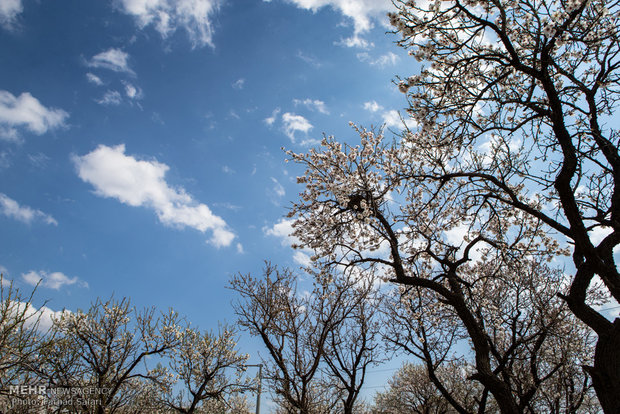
(42, 395)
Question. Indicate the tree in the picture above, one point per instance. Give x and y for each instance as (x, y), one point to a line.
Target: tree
(410, 391)
(233, 404)
(353, 344)
(105, 350)
(536, 347)
(20, 339)
(331, 327)
(208, 368)
(18, 332)
(542, 78)
(293, 328)
(512, 114)
(412, 242)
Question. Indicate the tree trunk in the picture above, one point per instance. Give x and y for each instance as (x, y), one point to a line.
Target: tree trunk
(606, 370)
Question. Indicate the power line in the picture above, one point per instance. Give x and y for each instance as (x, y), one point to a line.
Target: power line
(382, 370)
(376, 386)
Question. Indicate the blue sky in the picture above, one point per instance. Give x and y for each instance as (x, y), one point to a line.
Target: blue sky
(140, 140)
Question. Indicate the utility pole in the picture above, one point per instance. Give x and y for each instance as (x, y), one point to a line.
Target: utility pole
(260, 384)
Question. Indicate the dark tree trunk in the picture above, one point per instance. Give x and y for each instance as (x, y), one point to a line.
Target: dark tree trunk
(605, 373)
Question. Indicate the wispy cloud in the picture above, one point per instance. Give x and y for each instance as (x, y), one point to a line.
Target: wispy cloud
(355, 41)
(142, 183)
(54, 280)
(312, 104)
(310, 59)
(274, 115)
(38, 160)
(112, 59)
(26, 111)
(389, 59)
(94, 79)
(9, 134)
(295, 123)
(278, 189)
(195, 16)
(25, 214)
(134, 93)
(302, 258)
(392, 119)
(283, 230)
(362, 13)
(233, 114)
(110, 98)
(9, 9)
(372, 106)
(238, 84)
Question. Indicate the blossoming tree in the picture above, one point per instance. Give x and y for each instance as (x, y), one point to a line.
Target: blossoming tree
(207, 370)
(411, 391)
(514, 106)
(320, 343)
(535, 345)
(20, 338)
(106, 348)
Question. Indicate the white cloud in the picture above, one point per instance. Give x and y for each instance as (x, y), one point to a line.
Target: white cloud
(372, 106)
(495, 141)
(233, 114)
(26, 111)
(12, 209)
(456, 237)
(277, 188)
(302, 259)
(355, 41)
(274, 115)
(39, 159)
(312, 104)
(47, 317)
(309, 59)
(361, 12)
(294, 123)
(240, 248)
(142, 183)
(389, 58)
(44, 315)
(54, 280)
(282, 230)
(167, 15)
(132, 92)
(238, 84)
(9, 9)
(5, 161)
(112, 59)
(599, 233)
(392, 119)
(9, 135)
(110, 98)
(94, 79)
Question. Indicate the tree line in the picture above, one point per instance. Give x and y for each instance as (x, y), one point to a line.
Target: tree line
(321, 344)
(115, 358)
